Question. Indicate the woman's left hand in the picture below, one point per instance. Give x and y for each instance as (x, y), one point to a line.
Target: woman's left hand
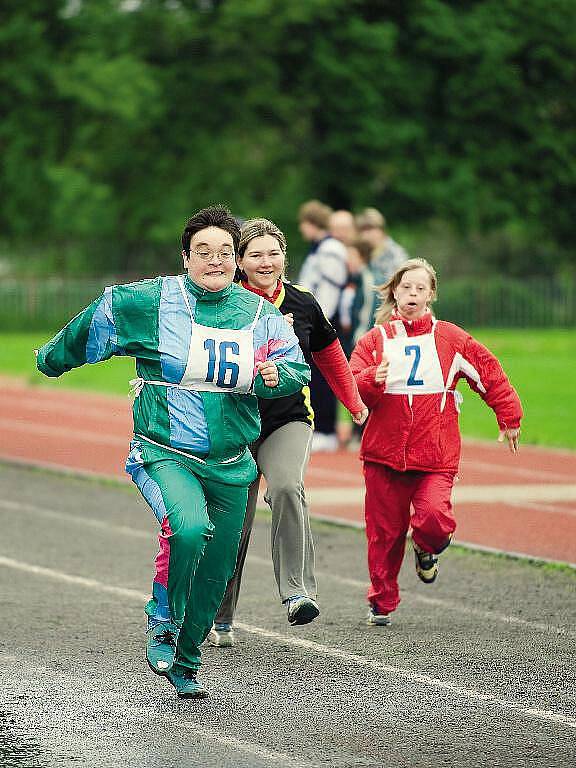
(269, 373)
(512, 436)
(360, 417)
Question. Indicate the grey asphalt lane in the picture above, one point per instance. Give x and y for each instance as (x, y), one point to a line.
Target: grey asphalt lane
(478, 668)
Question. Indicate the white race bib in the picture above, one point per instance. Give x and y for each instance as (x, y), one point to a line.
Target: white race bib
(219, 360)
(414, 365)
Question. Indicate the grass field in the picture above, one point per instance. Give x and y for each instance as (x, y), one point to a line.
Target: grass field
(541, 365)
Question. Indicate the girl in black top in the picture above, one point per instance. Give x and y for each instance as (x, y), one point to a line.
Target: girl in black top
(283, 448)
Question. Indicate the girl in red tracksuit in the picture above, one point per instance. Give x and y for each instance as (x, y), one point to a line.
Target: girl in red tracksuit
(407, 368)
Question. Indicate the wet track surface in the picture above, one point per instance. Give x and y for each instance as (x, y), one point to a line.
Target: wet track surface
(478, 669)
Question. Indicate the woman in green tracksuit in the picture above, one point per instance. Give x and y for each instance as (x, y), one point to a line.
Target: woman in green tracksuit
(205, 350)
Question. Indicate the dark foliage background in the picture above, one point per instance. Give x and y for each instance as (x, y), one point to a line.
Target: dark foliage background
(456, 119)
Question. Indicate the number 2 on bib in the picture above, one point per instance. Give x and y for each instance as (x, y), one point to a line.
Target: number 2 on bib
(412, 380)
(226, 368)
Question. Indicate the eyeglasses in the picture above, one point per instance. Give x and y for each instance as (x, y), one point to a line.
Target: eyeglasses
(225, 254)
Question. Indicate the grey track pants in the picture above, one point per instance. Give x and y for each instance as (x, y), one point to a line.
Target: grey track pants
(282, 458)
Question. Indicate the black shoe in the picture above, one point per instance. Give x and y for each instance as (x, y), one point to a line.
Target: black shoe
(426, 565)
(301, 609)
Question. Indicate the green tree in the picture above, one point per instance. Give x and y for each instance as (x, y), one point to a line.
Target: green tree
(123, 118)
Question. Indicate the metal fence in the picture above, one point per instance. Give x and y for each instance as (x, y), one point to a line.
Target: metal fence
(47, 304)
(508, 303)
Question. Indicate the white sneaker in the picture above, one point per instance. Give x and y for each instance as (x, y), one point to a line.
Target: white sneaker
(221, 635)
(322, 442)
(377, 619)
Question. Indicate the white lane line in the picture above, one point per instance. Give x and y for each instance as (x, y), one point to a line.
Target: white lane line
(516, 493)
(546, 715)
(122, 530)
(462, 494)
(213, 736)
(254, 750)
(64, 517)
(538, 507)
(443, 604)
(79, 581)
(468, 464)
(416, 677)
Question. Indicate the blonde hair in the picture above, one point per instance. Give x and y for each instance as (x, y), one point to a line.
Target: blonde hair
(369, 218)
(386, 291)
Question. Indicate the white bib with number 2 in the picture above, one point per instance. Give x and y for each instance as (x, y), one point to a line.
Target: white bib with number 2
(414, 365)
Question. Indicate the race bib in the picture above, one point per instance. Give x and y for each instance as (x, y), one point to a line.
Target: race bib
(219, 360)
(414, 365)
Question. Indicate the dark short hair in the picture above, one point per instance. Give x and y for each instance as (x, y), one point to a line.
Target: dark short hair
(364, 249)
(213, 216)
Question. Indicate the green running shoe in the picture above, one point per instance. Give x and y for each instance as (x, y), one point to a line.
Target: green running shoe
(161, 646)
(186, 684)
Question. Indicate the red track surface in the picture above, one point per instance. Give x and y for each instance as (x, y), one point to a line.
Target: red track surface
(524, 504)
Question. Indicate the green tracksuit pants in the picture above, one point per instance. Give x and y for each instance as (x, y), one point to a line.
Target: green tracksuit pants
(201, 509)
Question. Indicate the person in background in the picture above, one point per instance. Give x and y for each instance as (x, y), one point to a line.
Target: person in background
(357, 297)
(358, 294)
(387, 255)
(324, 273)
(342, 226)
(205, 351)
(283, 447)
(407, 368)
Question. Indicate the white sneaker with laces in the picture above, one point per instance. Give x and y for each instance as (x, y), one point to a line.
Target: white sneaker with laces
(376, 619)
(221, 635)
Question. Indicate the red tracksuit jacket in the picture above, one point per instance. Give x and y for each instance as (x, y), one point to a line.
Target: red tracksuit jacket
(413, 422)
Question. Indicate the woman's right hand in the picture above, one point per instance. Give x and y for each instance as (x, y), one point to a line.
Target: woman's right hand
(382, 371)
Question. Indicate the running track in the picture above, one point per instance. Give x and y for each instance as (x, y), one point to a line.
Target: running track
(524, 504)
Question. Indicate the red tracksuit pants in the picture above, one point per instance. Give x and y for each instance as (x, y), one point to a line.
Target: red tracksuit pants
(389, 495)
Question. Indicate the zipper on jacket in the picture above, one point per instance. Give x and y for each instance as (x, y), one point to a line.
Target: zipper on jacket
(410, 432)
